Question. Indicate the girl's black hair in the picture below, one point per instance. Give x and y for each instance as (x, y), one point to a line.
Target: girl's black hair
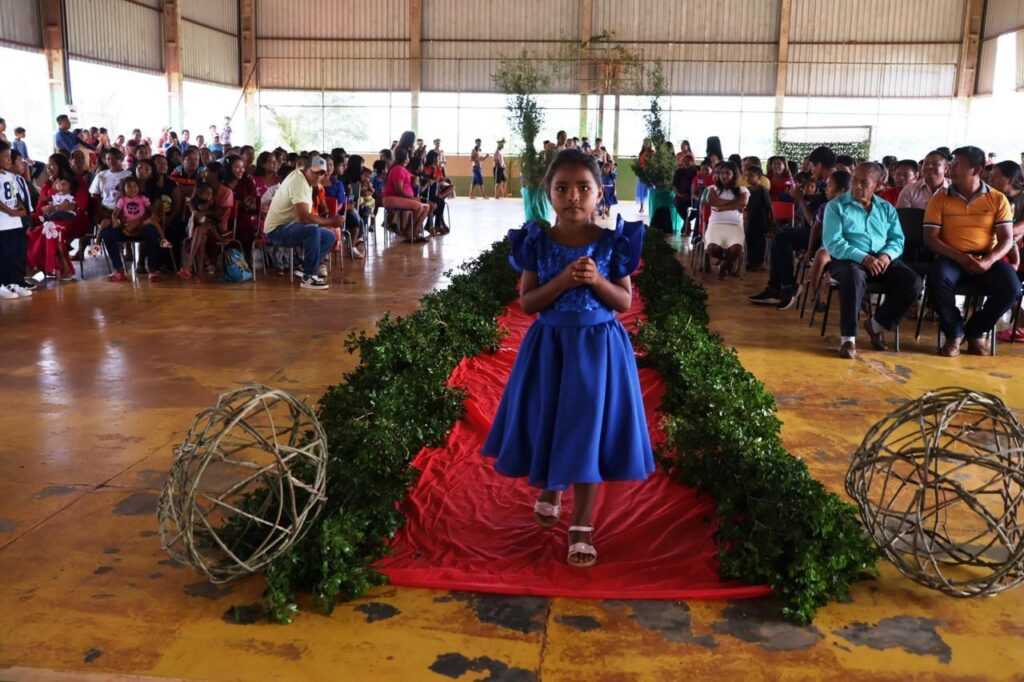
(229, 161)
(217, 168)
(407, 140)
(572, 157)
(260, 160)
(354, 169)
(735, 185)
(379, 166)
(64, 170)
(401, 155)
(1012, 171)
(431, 159)
(842, 179)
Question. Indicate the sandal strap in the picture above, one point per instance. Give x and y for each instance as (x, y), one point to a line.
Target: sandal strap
(581, 529)
(546, 508)
(582, 548)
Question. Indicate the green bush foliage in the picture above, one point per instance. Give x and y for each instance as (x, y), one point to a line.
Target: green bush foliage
(776, 524)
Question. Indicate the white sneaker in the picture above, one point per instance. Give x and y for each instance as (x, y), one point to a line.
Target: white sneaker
(356, 253)
(20, 290)
(311, 282)
(322, 271)
(7, 291)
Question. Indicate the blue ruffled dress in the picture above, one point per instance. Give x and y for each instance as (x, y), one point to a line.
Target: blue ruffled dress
(572, 411)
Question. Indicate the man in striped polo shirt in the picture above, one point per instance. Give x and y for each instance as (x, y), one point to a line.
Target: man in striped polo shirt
(969, 228)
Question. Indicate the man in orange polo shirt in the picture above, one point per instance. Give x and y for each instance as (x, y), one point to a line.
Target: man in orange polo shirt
(969, 227)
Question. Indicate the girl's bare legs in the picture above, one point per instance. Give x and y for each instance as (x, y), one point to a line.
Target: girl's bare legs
(821, 259)
(584, 500)
(731, 255)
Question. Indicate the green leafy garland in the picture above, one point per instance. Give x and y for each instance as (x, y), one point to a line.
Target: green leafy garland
(392, 405)
(777, 525)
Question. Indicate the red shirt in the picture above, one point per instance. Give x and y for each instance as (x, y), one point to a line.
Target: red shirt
(398, 176)
(891, 194)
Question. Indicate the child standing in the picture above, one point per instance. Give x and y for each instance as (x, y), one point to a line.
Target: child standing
(13, 240)
(572, 413)
(608, 177)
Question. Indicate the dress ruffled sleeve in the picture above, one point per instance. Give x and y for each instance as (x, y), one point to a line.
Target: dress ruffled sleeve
(524, 242)
(627, 245)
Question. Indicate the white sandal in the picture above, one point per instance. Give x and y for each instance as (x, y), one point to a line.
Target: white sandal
(548, 510)
(582, 548)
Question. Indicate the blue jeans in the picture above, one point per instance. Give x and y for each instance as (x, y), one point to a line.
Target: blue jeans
(1001, 286)
(316, 243)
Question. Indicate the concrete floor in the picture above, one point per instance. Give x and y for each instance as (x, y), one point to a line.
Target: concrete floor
(100, 380)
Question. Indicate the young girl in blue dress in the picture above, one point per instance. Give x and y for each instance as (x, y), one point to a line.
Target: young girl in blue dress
(572, 414)
(608, 177)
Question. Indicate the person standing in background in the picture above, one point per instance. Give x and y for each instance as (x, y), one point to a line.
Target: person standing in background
(500, 181)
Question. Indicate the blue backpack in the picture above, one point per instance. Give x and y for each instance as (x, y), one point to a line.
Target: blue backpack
(236, 269)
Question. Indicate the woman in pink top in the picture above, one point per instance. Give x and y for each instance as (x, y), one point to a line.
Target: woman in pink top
(398, 194)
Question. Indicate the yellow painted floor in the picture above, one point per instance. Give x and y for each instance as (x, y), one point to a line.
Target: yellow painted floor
(100, 380)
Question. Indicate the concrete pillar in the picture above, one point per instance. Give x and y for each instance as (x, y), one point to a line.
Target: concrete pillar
(172, 64)
(249, 75)
(415, 59)
(54, 32)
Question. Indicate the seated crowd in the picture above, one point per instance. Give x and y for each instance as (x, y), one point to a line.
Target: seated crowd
(191, 200)
(949, 226)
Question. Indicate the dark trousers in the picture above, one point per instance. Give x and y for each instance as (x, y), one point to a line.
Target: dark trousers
(112, 239)
(757, 232)
(175, 233)
(900, 285)
(13, 253)
(1001, 286)
(786, 242)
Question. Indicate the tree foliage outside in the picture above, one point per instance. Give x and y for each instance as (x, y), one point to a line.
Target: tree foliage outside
(522, 78)
(659, 167)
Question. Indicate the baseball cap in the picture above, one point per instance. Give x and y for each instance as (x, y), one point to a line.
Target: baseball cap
(318, 163)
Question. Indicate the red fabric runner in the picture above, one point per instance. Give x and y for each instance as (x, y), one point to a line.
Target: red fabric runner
(471, 529)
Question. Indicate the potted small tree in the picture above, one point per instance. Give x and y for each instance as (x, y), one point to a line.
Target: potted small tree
(657, 168)
(522, 78)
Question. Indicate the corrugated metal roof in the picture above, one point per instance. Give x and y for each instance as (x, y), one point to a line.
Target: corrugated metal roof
(333, 65)
(450, 66)
(1020, 61)
(115, 32)
(219, 14)
(725, 21)
(872, 70)
(987, 67)
(536, 20)
(902, 21)
(19, 23)
(208, 55)
(877, 20)
(715, 69)
(1003, 16)
(333, 19)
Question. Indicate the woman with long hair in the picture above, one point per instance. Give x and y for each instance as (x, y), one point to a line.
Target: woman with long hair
(725, 237)
(49, 252)
(780, 178)
(398, 194)
(642, 189)
(247, 200)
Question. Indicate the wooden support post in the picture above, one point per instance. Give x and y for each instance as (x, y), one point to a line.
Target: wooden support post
(970, 48)
(586, 32)
(249, 76)
(415, 59)
(782, 61)
(54, 31)
(172, 63)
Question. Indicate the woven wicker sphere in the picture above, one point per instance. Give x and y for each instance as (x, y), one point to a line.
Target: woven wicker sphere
(940, 484)
(246, 483)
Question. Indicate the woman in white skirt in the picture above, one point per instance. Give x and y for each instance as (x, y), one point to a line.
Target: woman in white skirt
(724, 238)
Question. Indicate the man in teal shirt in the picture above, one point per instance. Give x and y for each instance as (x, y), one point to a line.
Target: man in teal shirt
(862, 233)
